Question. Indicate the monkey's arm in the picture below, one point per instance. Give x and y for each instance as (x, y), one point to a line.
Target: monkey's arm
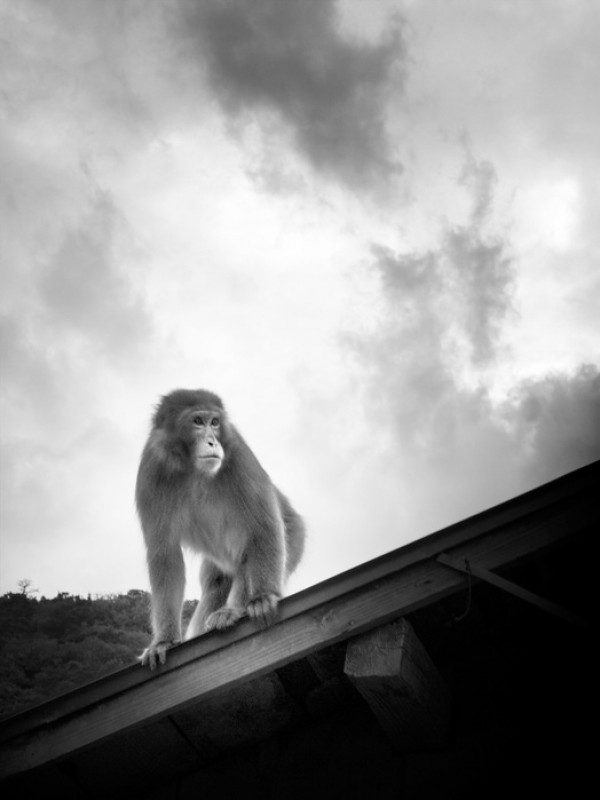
(167, 580)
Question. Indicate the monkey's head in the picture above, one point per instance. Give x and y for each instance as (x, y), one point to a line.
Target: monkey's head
(194, 424)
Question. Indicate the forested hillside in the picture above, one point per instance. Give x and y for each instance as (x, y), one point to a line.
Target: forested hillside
(51, 646)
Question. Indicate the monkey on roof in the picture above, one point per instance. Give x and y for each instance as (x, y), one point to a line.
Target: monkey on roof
(200, 486)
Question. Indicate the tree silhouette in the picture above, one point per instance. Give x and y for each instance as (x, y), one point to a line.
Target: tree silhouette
(24, 585)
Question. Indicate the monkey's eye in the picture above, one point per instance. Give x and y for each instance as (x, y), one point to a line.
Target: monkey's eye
(198, 420)
(214, 422)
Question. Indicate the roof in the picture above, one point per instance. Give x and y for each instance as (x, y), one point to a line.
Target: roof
(375, 644)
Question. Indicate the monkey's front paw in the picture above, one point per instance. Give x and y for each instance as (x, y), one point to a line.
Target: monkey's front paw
(223, 618)
(262, 608)
(156, 653)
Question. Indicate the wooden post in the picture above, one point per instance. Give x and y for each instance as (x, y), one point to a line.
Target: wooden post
(395, 675)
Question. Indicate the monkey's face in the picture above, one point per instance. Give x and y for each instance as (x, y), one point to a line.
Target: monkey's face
(207, 450)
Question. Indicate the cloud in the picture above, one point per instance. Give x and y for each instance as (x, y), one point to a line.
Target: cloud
(73, 355)
(27, 377)
(269, 61)
(86, 295)
(77, 58)
(444, 308)
(426, 364)
(556, 420)
(75, 106)
(73, 325)
(480, 265)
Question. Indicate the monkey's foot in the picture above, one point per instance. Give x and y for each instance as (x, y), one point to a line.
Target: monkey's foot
(156, 653)
(223, 618)
(262, 608)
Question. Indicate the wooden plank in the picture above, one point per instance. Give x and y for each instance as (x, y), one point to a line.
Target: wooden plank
(260, 652)
(395, 675)
(572, 494)
(250, 712)
(469, 568)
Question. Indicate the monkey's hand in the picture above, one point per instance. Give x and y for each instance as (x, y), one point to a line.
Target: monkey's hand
(262, 608)
(156, 653)
(223, 618)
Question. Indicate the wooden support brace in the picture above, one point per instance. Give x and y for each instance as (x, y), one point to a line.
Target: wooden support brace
(395, 675)
(463, 565)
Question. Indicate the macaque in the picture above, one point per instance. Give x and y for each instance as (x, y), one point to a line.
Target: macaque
(199, 486)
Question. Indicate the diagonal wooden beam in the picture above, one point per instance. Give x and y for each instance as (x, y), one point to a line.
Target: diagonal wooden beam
(467, 566)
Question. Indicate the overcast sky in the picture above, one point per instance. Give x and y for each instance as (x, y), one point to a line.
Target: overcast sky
(371, 227)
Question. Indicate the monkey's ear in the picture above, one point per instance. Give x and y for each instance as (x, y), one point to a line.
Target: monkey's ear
(160, 415)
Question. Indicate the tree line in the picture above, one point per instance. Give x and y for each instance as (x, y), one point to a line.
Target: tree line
(51, 646)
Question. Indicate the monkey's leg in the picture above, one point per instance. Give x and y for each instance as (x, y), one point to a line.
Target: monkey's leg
(235, 604)
(215, 586)
(167, 580)
(265, 569)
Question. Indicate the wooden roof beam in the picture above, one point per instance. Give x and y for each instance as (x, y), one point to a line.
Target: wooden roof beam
(393, 672)
(471, 569)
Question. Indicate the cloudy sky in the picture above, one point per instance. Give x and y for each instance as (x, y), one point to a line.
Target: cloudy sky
(372, 227)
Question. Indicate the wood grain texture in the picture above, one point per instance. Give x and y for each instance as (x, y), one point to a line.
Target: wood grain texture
(395, 675)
